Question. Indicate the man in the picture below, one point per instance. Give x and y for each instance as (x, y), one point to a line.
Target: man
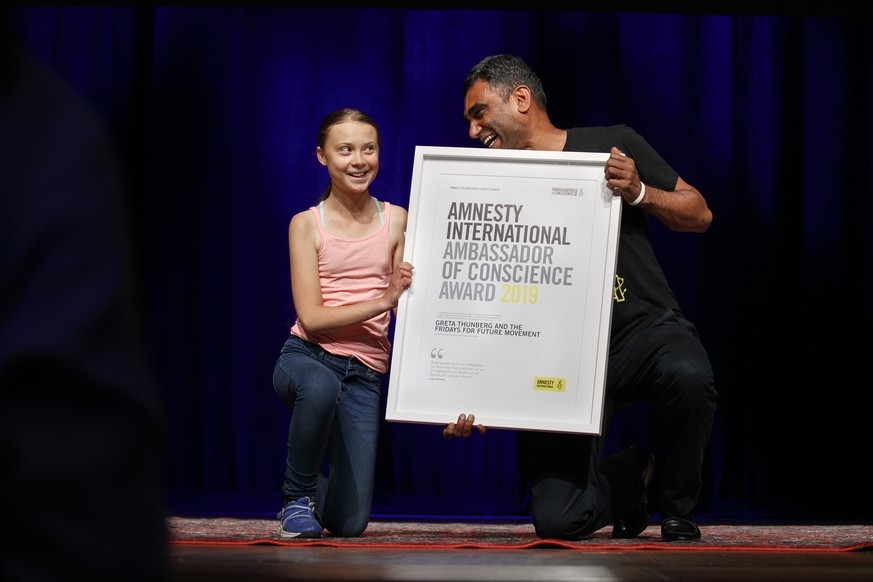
(655, 352)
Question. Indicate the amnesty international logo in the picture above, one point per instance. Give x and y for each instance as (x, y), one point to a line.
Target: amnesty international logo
(619, 291)
(550, 384)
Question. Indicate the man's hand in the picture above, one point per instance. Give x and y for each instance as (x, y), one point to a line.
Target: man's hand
(463, 427)
(621, 175)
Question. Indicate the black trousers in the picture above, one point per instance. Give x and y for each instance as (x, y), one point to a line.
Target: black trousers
(574, 492)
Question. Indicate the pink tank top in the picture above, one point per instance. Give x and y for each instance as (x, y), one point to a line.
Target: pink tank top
(352, 271)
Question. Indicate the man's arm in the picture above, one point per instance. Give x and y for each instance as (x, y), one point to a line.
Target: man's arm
(682, 209)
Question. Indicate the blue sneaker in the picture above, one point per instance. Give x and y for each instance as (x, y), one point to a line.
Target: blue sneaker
(298, 520)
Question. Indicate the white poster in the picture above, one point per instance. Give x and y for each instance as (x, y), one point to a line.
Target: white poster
(508, 315)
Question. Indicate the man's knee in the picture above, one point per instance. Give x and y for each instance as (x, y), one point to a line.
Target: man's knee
(562, 526)
(692, 380)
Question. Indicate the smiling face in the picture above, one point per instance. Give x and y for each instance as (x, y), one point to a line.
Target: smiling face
(351, 155)
(494, 122)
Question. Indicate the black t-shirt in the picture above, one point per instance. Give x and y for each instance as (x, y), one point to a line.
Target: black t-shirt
(641, 292)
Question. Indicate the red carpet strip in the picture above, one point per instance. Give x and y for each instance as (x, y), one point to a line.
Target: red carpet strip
(511, 536)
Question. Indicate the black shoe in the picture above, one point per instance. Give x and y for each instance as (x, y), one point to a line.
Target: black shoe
(679, 529)
(635, 521)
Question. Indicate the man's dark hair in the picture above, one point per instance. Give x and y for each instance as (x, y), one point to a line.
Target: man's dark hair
(504, 73)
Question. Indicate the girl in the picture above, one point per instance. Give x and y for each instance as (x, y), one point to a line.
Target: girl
(347, 275)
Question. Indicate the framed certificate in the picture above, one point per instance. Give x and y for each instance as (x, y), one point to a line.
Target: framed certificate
(509, 312)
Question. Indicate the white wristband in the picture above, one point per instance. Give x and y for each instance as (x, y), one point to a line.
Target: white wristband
(640, 197)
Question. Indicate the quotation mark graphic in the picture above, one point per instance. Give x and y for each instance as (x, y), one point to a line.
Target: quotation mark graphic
(436, 353)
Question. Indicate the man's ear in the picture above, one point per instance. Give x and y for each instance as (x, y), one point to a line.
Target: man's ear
(523, 98)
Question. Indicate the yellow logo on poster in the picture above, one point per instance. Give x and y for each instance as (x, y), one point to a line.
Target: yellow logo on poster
(550, 384)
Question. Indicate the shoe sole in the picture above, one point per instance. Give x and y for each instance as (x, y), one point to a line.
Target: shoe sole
(683, 539)
(309, 535)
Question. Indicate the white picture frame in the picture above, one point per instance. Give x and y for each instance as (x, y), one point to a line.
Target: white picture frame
(509, 312)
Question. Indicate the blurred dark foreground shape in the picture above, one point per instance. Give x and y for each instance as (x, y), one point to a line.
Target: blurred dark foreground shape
(81, 426)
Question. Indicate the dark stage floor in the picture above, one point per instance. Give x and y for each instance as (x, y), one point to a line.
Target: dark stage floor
(263, 562)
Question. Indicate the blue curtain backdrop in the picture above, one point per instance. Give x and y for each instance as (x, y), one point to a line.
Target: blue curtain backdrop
(215, 110)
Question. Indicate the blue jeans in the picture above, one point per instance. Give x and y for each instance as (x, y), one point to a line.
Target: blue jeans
(336, 402)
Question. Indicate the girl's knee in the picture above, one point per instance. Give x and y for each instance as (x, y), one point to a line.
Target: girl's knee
(349, 528)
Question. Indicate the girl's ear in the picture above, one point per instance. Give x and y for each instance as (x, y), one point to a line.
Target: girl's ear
(320, 156)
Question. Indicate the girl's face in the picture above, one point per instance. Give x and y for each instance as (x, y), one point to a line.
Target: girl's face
(351, 155)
